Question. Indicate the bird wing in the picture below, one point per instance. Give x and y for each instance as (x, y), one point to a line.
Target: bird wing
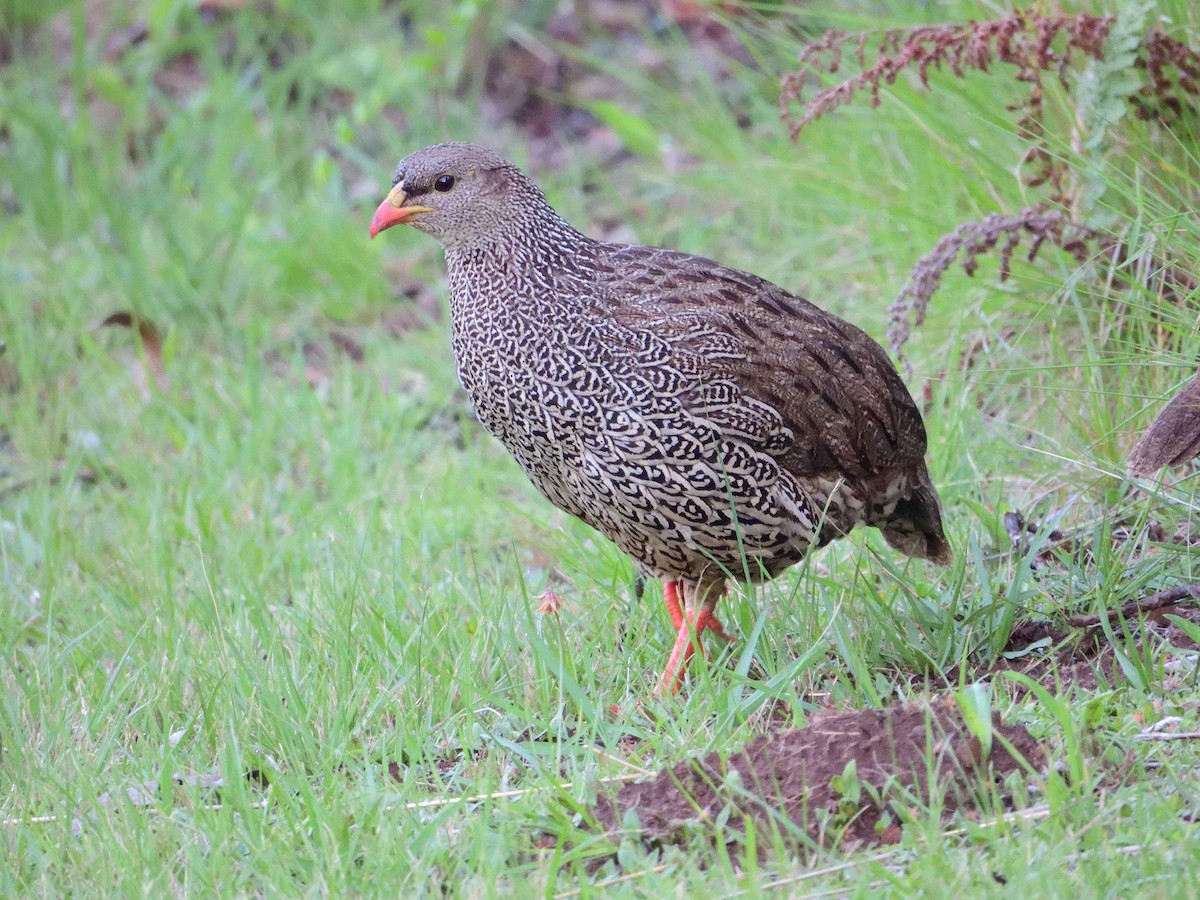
(782, 374)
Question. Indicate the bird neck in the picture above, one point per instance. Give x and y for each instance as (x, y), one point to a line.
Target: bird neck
(536, 248)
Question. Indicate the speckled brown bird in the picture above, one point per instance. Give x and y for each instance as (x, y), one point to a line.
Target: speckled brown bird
(711, 424)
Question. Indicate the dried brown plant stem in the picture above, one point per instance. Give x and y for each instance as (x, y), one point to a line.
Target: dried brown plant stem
(1034, 45)
(1149, 603)
(973, 239)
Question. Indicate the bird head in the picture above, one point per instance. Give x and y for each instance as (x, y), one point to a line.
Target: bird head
(455, 192)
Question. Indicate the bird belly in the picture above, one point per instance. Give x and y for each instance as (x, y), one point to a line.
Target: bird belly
(681, 500)
(682, 489)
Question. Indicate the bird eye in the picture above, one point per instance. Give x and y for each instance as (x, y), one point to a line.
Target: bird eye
(443, 183)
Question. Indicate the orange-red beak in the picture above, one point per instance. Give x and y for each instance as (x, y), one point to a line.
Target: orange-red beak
(394, 211)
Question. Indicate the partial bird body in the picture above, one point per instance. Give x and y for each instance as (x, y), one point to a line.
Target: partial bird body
(711, 424)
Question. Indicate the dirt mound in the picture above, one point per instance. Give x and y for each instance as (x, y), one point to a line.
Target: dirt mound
(797, 783)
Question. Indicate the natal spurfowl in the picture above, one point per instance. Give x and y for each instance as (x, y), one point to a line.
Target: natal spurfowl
(711, 424)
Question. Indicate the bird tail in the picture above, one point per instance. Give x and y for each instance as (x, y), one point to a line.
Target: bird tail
(915, 525)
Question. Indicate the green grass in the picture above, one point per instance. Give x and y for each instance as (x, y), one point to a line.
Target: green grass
(333, 586)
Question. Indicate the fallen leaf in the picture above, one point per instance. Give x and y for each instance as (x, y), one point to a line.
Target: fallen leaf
(152, 346)
(1173, 437)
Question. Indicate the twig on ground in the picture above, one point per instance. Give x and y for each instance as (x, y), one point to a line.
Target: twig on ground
(432, 803)
(1155, 736)
(1142, 604)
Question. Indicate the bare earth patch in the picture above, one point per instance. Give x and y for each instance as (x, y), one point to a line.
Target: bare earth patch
(1080, 654)
(795, 783)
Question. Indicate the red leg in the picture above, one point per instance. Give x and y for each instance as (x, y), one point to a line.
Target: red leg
(671, 593)
(690, 629)
(677, 662)
(713, 625)
(671, 600)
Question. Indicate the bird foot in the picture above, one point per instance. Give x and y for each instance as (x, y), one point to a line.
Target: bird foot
(675, 611)
(692, 626)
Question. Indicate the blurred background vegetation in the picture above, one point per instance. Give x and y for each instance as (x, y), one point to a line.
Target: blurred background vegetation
(248, 528)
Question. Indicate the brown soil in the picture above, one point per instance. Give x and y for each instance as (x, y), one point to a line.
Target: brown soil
(1082, 655)
(785, 783)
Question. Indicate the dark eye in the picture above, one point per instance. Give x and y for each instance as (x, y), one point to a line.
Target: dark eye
(443, 183)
